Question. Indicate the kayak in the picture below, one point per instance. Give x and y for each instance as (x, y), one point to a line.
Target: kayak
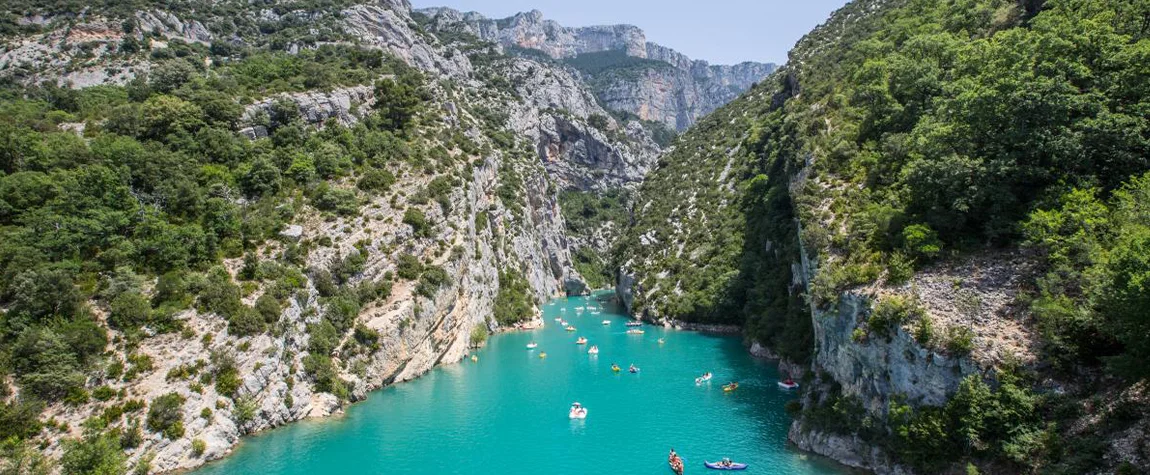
(543, 355)
(788, 385)
(581, 341)
(615, 369)
(570, 328)
(606, 322)
(719, 466)
(635, 332)
(634, 324)
(731, 387)
(532, 346)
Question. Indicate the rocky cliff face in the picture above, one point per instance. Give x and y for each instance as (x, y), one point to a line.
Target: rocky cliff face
(675, 96)
(531, 139)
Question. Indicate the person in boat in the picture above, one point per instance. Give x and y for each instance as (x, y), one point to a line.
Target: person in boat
(673, 456)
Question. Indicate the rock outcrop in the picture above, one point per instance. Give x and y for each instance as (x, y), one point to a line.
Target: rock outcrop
(668, 88)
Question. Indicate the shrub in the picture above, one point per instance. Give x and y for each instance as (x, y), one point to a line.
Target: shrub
(103, 393)
(377, 181)
(166, 415)
(198, 447)
(921, 241)
(418, 222)
(129, 310)
(408, 267)
(95, 454)
(891, 312)
(959, 340)
(432, 279)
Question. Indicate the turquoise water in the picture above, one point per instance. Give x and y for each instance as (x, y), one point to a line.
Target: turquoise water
(507, 413)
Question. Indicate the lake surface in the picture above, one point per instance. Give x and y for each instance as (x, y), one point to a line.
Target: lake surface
(507, 413)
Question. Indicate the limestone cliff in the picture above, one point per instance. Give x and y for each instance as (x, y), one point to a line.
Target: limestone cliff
(676, 96)
(507, 150)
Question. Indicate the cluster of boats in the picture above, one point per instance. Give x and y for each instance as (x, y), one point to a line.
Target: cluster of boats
(677, 465)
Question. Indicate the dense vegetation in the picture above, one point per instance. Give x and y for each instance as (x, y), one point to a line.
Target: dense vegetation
(124, 201)
(593, 215)
(916, 131)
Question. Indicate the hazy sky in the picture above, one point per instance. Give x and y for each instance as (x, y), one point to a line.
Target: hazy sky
(719, 31)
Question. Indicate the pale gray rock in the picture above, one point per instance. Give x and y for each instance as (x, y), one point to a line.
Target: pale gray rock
(676, 95)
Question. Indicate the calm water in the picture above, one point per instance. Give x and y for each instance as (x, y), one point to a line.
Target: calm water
(507, 413)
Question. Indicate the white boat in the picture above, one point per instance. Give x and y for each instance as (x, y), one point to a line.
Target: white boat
(559, 319)
(581, 341)
(635, 332)
(704, 378)
(577, 412)
(570, 328)
(634, 324)
(789, 384)
(606, 322)
(580, 308)
(563, 323)
(594, 350)
(532, 345)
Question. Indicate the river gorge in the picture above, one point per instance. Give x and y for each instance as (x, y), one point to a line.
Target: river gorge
(506, 412)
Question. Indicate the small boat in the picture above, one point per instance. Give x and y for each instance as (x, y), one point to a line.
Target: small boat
(634, 324)
(581, 341)
(580, 308)
(474, 358)
(543, 354)
(704, 378)
(662, 340)
(725, 466)
(788, 384)
(615, 367)
(594, 350)
(559, 319)
(635, 332)
(676, 464)
(633, 369)
(730, 387)
(577, 412)
(563, 323)
(570, 328)
(532, 345)
(606, 322)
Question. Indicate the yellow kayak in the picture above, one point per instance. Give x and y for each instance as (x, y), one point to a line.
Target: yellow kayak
(542, 355)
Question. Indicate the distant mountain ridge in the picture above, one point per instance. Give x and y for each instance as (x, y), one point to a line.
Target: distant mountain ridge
(676, 97)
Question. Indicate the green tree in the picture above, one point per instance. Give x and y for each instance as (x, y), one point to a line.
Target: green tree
(93, 455)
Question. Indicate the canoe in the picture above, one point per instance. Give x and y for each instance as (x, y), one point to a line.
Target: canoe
(718, 466)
